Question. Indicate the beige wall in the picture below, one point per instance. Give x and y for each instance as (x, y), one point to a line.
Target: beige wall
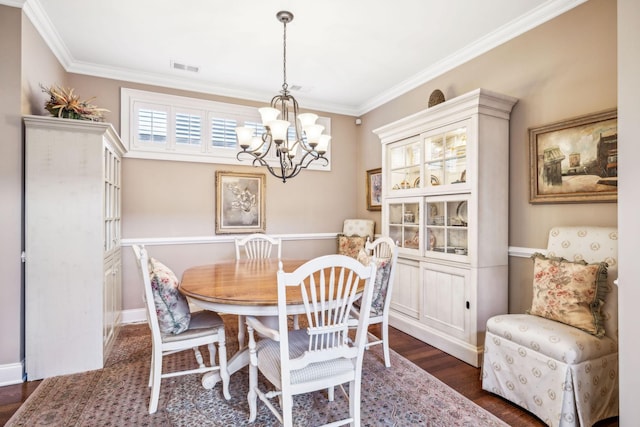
(561, 69)
(10, 186)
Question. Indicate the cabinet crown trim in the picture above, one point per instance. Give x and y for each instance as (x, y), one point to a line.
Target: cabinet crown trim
(477, 101)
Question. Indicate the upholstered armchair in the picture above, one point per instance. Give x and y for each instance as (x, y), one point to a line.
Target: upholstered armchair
(565, 370)
(355, 234)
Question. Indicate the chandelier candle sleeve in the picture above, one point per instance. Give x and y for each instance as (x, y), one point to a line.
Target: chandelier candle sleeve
(277, 147)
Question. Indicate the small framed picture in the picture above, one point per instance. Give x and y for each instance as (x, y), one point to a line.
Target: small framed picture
(240, 201)
(576, 160)
(374, 189)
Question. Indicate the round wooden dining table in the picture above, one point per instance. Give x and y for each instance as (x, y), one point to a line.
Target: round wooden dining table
(244, 287)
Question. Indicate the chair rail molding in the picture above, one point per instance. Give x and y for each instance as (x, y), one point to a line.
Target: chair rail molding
(227, 238)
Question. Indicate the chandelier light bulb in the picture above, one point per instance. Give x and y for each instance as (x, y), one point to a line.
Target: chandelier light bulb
(313, 133)
(323, 143)
(307, 119)
(268, 115)
(279, 130)
(244, 135)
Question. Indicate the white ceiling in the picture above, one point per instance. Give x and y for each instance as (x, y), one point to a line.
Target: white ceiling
(347, 56)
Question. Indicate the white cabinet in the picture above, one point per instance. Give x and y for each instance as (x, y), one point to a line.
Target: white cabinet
(72, 244)
(406, 287)
(445, 201)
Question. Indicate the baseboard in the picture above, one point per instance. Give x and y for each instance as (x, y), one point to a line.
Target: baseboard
(136, 315)
(12, 373)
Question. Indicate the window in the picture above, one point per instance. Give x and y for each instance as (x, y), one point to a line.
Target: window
(169, 127)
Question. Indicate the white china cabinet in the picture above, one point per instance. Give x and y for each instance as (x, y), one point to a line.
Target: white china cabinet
(445, 201)
(72, 244)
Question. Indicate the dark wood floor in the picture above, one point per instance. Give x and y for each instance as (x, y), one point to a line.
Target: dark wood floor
(458, 375)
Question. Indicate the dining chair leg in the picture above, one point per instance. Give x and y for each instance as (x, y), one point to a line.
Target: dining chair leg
(286, 403)
(222, 362)
(354, 402)
(155, 386)
(252, 396)
(196, 351)
(385, 343)
(151, 370)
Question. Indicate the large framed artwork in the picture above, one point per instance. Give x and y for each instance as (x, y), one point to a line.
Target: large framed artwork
(576, 160)
(374, 189)
(240, 199)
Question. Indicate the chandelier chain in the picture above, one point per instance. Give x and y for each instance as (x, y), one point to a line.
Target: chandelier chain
(285, 86)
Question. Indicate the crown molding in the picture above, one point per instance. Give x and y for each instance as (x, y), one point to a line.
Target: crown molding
(13, 3)
(547, 11)
(534, 18)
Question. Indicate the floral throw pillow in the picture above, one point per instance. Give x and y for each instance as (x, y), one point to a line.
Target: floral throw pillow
(570, 292)
(171, 306)
(381, 283)
(350, 245)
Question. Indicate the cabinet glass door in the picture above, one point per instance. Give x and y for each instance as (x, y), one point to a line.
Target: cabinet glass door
(404, 162)
(446, 226)
(446, 157)
(404, 224)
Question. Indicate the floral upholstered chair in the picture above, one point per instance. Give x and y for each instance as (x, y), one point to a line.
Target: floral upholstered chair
(560, 361)
(355, 233)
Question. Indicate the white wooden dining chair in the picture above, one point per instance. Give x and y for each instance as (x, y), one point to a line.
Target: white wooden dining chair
(255, 246)
(385, 253)
(200, 328)
(258, 245)
(321, 355)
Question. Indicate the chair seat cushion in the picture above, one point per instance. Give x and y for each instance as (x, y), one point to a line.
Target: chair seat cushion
(269, 360)
(551, 338)
(202, 323)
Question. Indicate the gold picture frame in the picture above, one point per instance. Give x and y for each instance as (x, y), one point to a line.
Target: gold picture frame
(240, 202)
(374, 189)
(575, 160)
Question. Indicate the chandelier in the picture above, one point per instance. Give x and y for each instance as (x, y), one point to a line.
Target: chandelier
(294, 151)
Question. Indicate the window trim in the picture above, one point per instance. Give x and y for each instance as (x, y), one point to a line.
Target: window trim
(204, 153)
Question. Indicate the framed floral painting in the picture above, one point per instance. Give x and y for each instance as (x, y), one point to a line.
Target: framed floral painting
(240, 201)
(374, 189)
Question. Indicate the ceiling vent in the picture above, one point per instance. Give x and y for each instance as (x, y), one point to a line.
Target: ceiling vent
(184, 67)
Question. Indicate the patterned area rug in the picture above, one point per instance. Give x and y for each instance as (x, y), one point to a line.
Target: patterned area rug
(403, 395)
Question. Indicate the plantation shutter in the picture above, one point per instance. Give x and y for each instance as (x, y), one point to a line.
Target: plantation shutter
(152, 125)
(188, 129)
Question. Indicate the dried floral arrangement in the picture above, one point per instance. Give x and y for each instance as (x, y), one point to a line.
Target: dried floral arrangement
(64, 103)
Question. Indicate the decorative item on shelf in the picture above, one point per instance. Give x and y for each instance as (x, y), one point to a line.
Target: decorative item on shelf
(405, 184)
(65, 104)
(435, 180)
(308, 143)
(436, 97)
(416, 183)
(409, 217)
(461, 214)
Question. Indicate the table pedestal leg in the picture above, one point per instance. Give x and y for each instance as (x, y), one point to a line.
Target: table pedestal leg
(239, 360)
